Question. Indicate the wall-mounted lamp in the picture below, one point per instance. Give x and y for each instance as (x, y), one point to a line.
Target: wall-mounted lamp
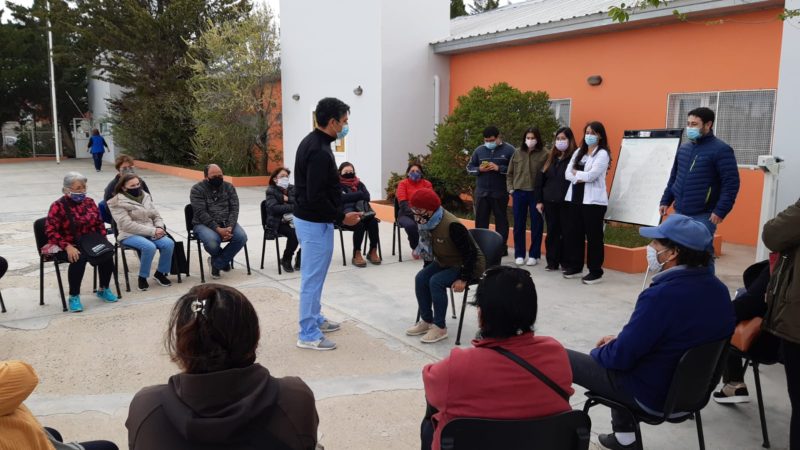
(595, 80)
(358, 90)
(296, 97)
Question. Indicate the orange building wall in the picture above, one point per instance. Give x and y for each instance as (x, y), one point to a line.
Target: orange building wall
(640, 68)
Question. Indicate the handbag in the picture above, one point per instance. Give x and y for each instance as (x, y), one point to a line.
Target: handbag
(179, 262)
(94, 246)
(746, 333)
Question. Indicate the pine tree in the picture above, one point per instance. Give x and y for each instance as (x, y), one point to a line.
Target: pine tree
(480, 6)
(457, 8)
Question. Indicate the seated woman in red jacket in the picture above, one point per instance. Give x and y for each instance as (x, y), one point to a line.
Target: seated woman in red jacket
(414, 181)
(507, 305)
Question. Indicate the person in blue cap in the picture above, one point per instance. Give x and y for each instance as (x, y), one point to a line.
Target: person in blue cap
(685, 306)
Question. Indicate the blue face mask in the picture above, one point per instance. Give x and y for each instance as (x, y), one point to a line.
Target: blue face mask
(591, 139)
(415, 176)
(490, 145)
(693, 133)
(77, 197)
(343, 133)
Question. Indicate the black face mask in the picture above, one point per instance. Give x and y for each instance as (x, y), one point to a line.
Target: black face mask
(135, 192)
(349, 175)
(215, 182)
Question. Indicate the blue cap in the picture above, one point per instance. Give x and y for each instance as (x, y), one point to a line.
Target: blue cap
(682, 230)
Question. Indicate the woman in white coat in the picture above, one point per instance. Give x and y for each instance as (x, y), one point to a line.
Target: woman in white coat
(140, 226)
(587, 202)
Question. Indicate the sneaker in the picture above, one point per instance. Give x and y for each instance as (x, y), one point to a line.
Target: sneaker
(143, 285)
(162, 279)
(435, 334)
(214, 271)
(330, 326)
(610, 441)
(286, 264)
(358, 260)
(730, 394)
(519, 261)
(419, 328)
(592, 278)
(320, 344)
(228, 267)
(107, 296)
(531, 262)
(373, 257)
(550, 268)
(75, 303)
(569, 273)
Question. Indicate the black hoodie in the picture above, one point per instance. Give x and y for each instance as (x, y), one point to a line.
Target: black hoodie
(234, 409)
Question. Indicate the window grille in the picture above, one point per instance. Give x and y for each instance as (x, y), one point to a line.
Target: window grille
(561, 109)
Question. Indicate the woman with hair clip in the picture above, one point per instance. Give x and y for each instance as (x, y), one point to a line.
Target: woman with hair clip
(587, 201)
(222, 399)
(524, 171)
(551, 187)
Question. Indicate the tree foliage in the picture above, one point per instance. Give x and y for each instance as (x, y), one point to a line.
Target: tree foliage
(457, 9)
(622, 13)
(236, 67)
(480, 6)
(502, 105)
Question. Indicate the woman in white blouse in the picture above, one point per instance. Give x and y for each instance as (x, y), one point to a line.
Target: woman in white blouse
(587, 201)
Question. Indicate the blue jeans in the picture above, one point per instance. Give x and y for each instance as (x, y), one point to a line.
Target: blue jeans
(147, 250)
(524, 201)
(431, 285)
(221, 257)
(316, 240)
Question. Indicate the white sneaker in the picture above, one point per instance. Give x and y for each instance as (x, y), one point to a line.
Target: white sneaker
(434, 334)
(321, 344)
(532, 262)
(519, 261)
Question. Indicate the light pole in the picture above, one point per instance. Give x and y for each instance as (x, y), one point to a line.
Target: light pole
(56, 135)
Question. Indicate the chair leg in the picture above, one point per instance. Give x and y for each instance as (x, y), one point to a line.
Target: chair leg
(278, 254)
(200, 260)
(341, 241)
(452, 304)
(41, 281)
(366, 241)
(263, 249)
(761, 414)
(699, 422)
(247, 258)
(94, 279)
(418, 316)
(2, 303)
(61, 289)
(399, 245)
(116, 281)
(380, 250)
(188, 255)
(125, 270)
(461, 319)
(394, 227)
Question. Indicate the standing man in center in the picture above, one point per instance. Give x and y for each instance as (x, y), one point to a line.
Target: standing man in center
(318, 206)
(489, 163)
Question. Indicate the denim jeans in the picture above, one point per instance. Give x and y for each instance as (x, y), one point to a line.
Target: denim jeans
(221, 256)
(316, 240)
(147, 250)
(524, 202)
(412, 230)
(431, 285)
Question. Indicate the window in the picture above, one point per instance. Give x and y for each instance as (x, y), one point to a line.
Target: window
(744, 119)
(561, 109)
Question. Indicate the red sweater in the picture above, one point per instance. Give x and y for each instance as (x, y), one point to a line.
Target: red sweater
(406, 188)
(479, 382)
(85, 214)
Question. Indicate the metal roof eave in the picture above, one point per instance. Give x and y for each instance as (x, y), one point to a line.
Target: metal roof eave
(597, 23)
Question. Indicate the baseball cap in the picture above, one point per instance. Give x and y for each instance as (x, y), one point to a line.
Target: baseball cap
(682, 230)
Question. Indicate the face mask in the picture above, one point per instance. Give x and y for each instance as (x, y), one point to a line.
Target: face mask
(215, 182)
(128, 170)
(530, 143)
(652, 259)
(349, 175)
(590, 139)
(422, 219)
(490, 145)
(415, 176)
(562, 145)
(282, 183)
(135, 192)
(693, 133)
(77, 197)
(343, 133)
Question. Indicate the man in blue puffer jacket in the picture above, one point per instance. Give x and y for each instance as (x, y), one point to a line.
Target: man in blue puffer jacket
(705, 178)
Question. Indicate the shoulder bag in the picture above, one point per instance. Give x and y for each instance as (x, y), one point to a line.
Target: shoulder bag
(94, 246)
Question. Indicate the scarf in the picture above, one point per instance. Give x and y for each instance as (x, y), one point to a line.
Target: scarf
(425, 248)
(352, 183)
(138, 199)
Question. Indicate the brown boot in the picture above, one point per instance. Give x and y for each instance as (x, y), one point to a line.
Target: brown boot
(358, 260)
(373, 256)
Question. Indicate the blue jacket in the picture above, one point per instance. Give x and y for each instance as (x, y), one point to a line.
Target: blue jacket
(96, 144)
(491, 184)
(682, 308)
(704, 178)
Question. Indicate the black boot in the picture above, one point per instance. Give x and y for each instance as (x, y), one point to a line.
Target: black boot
(286, 263)
(297, 261)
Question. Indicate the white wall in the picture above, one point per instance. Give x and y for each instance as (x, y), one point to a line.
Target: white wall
(99, 92)
(330, 48)
(787, 114)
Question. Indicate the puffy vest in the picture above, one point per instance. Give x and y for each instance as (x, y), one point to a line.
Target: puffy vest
(446, 252)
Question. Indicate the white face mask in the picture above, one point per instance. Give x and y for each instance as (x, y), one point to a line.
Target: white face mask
(282, 183)
(652, 259)
(530, 143)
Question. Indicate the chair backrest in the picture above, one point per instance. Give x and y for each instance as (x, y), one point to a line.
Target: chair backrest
(491, 244)
(566, 431)
(105, 213)
(696, 376)
(396, 208)
(188, 214)
(264, 214)
(3, 266)
(39, 234)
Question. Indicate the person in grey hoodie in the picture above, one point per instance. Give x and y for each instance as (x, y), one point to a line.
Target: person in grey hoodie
(222, 399)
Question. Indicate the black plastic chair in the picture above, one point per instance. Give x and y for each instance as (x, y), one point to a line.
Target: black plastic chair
(755, 360)
(343, 228)
(41, 240)
(566, 431)
(698, 373)
(188, 214)
(396, 236)
(271, 237)
(3, 269)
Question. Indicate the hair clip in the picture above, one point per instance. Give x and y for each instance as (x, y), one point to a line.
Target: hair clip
(198, 306)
